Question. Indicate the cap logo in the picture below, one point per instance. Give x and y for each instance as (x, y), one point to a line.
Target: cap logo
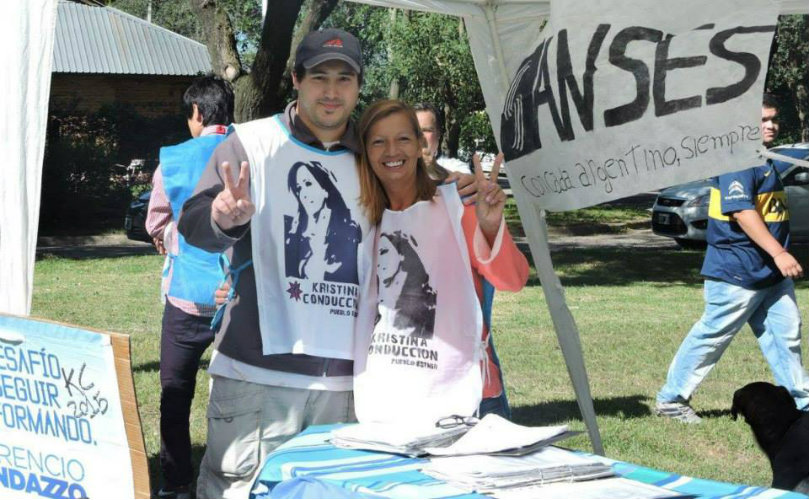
(334, 42)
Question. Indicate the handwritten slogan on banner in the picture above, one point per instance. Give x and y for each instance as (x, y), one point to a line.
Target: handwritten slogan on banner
(626, 96)
(62, 429)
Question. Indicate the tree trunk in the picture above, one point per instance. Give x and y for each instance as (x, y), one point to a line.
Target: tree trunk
(453, 134)
(261, 95)
(393, 92)
(264, 90)
(316, 12)
(452, 122)
(220, 41)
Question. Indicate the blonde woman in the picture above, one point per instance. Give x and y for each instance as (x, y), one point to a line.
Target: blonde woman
(405, 373)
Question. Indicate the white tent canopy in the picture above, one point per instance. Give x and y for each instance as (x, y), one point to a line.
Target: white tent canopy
(27, 30)
(502, 34)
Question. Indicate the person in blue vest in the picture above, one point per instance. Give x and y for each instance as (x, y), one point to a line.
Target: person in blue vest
(748, 274)
(190, 276)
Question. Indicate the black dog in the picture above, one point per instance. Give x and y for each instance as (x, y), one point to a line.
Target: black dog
(781, 430)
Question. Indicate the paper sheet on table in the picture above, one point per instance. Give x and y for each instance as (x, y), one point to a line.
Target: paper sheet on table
(612, 488)
(485, 465)
(392, 438)
(495, 434)
(485, 473)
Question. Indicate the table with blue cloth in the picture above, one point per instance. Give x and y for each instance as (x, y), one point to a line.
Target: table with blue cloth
(308, 466)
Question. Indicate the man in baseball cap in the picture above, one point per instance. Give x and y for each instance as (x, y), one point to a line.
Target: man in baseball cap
(329, 45)
(288, 182)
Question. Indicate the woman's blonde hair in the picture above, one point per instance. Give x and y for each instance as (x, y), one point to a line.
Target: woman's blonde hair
(373, 198)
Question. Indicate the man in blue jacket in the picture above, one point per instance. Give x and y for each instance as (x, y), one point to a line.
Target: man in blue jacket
(748, 279)
(190, 276)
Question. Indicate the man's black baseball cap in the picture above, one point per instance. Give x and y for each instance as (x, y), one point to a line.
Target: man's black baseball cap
(328, 45)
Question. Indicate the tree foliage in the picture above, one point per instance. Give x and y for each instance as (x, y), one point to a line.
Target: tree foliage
(411, 55)
(433, 62)
(175, 15)
(414, 56)
(252, 56)
(788, 76)
(421, 57)
(85, 183)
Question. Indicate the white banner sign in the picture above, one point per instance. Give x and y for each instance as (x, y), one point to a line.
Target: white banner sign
(631, 98)
(62, 431)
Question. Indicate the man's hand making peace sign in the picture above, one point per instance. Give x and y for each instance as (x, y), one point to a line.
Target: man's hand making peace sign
(490, 198)
(232, 207)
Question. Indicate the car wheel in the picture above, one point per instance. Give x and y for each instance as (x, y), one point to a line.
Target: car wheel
(691, 244)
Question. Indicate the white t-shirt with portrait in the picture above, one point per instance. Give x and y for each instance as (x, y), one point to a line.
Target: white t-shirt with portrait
(418, 339)
(312, 245)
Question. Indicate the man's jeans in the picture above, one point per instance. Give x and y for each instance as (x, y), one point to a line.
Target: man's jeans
(774, 318)
(183, 339)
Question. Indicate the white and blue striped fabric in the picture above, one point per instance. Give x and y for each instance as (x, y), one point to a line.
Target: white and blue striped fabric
(308, 466)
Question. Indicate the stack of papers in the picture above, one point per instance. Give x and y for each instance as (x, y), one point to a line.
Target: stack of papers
(494, 435)
(612, 488)
(491, 474)
(398, 439)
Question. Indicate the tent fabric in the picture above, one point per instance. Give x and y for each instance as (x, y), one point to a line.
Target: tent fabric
(793, 7)
(28, 29)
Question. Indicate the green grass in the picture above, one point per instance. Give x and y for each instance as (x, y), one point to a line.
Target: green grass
(597, 219)
(632, 312)
(598, 215)
(632, 307)
(120, 295)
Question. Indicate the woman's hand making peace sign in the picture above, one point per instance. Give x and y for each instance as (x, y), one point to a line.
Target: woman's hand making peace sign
(490, 198)
(232, 207)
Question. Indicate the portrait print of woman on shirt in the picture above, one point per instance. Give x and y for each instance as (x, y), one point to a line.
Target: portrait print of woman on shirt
(405, 285)
(321, 240)
(424, 359)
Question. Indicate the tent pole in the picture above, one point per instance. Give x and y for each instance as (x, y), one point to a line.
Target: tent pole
(564, 325)
(563, 322)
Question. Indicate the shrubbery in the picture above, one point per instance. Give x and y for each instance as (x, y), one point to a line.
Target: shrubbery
(85, 185)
